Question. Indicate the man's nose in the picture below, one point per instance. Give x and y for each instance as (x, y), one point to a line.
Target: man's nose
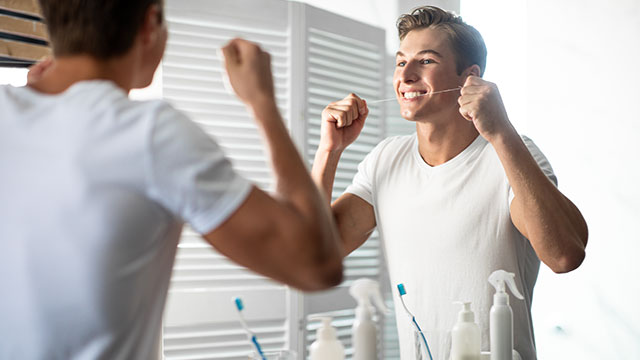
(409, 73)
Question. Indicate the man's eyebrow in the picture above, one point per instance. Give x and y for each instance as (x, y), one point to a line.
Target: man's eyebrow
(425, 51)
(430, 51)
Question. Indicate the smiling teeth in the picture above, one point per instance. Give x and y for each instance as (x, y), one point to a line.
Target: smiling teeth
(411, 95)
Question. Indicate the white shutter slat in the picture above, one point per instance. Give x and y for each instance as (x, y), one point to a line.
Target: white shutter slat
(221, 340)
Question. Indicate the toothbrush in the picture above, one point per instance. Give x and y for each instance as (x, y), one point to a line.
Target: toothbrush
(250, 335)
(403, 292)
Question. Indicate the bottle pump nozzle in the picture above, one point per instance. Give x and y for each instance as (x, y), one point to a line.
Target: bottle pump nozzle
(325, 331)
(498, 278)
(465, 314)
(363, 290)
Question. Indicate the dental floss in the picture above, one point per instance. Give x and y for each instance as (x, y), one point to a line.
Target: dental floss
(425, 94)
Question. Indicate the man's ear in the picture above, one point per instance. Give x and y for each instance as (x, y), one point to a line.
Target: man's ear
(473, 70)
(152, 25)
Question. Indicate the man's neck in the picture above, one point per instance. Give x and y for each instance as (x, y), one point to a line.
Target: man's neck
(66, 71)
(439, 142)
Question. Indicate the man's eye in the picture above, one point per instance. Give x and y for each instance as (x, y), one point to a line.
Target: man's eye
(401, 63)
(426, 61)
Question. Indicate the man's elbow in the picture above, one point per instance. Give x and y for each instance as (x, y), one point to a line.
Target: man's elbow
(569, 262)
(328, 275)
(321, 265)
(320, 276)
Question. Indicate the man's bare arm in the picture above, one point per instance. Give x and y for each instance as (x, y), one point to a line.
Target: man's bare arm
(342, 122)
(292, 236)
(552, 223)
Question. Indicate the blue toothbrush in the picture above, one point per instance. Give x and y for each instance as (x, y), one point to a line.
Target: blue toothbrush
(403, 292)
(250, 335)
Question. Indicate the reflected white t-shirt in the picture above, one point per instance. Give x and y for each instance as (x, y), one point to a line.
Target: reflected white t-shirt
(445, 229)
(94, 191)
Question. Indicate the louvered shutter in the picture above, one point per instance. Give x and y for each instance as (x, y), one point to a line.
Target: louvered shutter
(200, 321)
(343, 56)
(317, 57)
(23, 35)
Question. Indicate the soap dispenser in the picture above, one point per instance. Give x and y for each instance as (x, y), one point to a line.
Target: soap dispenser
(501, 315)
(364, 331)
(327, 346)
(465, 336)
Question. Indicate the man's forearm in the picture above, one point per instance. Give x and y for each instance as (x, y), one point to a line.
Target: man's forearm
(323, 172)
(291, 175)
(293, 183)
(554, 226)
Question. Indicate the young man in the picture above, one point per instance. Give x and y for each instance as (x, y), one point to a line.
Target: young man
(96, 188)
(463, 196)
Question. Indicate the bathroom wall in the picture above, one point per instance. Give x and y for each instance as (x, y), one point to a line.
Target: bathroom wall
(568, 73)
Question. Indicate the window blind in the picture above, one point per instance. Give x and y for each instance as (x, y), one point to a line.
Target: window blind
(313, 63)
(23, 35)
(200, 320)
(344, 56)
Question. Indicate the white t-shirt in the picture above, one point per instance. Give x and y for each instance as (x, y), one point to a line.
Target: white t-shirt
(94, 191)
(445, 229)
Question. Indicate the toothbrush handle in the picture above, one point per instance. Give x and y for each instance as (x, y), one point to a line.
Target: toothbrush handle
(424, 339)
(254, 340)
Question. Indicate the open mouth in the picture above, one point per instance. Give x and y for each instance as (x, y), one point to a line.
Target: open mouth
(413, 94)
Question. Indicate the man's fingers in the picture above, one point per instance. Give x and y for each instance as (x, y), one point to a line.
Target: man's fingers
(360, 104)
(468, 98)
(344, 112)
(341, 115)
(362, 107)
(473, 80)
(466, 113)
(230, 53)
(241, 49)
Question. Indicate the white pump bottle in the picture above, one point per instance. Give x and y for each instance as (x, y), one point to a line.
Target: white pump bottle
(327, 346)
(501, 315)
(364, 331)
(465, 336)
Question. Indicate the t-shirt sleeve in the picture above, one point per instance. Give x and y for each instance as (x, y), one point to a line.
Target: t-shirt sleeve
(542, 161)
(189, 174)
(363, 182)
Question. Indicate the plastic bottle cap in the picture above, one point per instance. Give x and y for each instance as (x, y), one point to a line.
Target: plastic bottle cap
(499, 278)
(325, 331)
(363, 290)
(465, 315)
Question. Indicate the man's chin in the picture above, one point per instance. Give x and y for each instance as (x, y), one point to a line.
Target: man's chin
(408, 114)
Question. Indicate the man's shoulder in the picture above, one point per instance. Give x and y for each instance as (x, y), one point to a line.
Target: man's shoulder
(102, 96)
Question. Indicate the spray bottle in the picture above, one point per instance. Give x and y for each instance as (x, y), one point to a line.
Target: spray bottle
(465, 336)
(501, 315)
(327, 346)
(364, 332)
